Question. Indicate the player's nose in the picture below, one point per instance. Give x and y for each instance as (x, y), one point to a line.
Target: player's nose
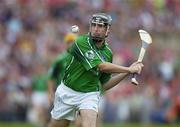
(96, 28)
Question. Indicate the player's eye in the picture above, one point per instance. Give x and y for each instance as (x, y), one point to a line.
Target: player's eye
(93, 24)
(99, 25)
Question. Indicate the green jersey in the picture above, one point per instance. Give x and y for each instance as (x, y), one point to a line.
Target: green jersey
(56, 72)
(81, 73)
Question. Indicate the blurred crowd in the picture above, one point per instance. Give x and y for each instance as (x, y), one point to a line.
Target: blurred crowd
(31, 36)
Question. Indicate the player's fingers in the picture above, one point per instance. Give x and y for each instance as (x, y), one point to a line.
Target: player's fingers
(140, 68)
(135, 63)
(141, 64)
(134, 68)
(139, 72)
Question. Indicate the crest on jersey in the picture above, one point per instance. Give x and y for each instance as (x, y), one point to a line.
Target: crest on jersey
(90, 54)
(103, 58)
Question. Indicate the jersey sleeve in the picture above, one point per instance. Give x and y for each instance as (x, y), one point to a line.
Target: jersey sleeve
(105, 78)
(83, 51)
(55, 68)
(52, 72)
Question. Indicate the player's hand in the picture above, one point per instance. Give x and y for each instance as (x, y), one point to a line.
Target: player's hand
(136, 67)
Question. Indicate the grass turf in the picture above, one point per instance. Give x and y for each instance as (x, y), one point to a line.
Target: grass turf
(16, 124)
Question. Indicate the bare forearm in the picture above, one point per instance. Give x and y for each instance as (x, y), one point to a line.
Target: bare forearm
(114, 81)
(112, 68)
(51, 87)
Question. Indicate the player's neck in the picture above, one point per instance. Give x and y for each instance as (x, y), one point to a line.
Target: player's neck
(99, 44)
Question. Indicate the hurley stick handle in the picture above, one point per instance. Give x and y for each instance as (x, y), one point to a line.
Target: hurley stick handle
(145, 41)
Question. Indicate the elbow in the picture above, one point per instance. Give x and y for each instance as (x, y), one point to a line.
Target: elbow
(105, 87)
(102, 67)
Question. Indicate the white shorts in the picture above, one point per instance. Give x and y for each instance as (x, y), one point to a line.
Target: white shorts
(68, 101)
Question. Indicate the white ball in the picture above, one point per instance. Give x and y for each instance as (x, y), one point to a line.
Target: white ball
(74, 29)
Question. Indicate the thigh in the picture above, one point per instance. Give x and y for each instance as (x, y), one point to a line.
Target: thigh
(89, 101)
(59, 123)
(78, 120)
(88, 117)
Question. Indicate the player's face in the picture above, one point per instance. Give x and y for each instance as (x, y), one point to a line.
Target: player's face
(98, 31)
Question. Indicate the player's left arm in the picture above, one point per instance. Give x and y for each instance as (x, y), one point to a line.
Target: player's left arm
(114, 81)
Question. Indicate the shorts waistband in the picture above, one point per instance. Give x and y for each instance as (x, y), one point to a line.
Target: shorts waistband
(62, 85)
(65, 87)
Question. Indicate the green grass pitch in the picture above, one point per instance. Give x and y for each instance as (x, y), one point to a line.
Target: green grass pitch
(16, 124)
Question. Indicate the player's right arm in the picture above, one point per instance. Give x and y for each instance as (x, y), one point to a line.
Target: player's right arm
(52, 74)
(119, 77)
(51, 88)
(51, 85)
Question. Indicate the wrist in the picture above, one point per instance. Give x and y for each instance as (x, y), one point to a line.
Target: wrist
(129, 70)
